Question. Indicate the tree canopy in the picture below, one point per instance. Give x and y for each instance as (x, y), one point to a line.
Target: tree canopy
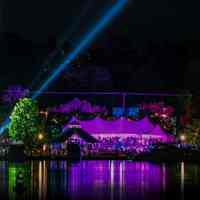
(25, 121)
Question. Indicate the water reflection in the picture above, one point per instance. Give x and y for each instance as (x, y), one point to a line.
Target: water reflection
(182, 179)
(42, 180)
(97, 180)
(19, 181)
(121, 179)
(163, 178)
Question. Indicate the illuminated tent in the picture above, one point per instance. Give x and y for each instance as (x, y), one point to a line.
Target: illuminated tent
(73, 129)
(158, 131)
(77, 132)
(144, 125)
(122, 127)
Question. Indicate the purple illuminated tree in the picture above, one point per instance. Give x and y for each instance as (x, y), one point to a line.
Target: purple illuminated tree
(80, 106)
(13, 93)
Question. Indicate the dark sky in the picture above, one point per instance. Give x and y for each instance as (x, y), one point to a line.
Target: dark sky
(36, 24)
(166, 19)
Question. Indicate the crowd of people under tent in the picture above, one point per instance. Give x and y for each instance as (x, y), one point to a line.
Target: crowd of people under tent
(107, 145)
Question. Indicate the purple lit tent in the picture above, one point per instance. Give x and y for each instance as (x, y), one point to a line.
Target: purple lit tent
(80, 133)
(103, 128)
(122, 127)
(144, 125)
(160, 133)
(73, 128)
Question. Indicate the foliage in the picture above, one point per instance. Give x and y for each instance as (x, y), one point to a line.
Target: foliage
(54, 131)
(78, 106)
(192, 132)
(13, 93)
(184, 111)
(25, 122)
(160, 113)
(159, 109)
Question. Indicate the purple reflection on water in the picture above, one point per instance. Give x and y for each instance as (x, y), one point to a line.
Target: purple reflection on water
(114, 179)
(101, 180)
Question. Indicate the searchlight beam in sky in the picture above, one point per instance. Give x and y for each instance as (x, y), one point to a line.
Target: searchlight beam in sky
(84, 43)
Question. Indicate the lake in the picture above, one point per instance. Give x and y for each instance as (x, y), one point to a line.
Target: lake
(99, 180)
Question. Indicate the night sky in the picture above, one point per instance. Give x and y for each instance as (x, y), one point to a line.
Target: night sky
(161, 38)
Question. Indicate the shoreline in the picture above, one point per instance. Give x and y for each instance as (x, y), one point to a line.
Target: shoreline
(140, 158)
(160, 154)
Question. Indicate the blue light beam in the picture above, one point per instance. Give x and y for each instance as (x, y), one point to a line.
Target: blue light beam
(4, 125)
(66, 36)
(85, 42)
(76, 23)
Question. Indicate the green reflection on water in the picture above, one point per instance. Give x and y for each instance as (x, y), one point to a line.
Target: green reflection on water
(19, 180)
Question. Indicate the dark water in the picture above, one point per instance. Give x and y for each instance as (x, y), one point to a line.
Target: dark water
(99, 180)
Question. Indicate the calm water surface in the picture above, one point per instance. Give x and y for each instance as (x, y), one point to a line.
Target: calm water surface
(99, 180)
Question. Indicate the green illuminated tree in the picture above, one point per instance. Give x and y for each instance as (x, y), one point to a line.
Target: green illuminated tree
(25, 122)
